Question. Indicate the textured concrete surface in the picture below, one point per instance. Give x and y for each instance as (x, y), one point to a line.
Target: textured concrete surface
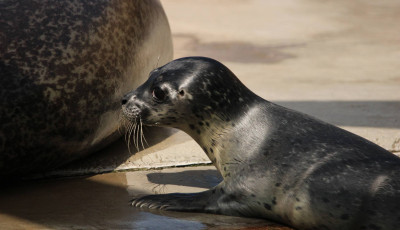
(336, 60)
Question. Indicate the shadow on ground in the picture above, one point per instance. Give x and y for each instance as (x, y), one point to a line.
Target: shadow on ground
(235, 51)
(198, 178)
(379, 114)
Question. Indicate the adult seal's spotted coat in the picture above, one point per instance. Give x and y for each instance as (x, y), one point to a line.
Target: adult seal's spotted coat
(64, 67)
(276, 163)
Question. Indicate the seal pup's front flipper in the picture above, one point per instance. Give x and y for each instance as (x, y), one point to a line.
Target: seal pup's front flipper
(216, 200)
(188, 202)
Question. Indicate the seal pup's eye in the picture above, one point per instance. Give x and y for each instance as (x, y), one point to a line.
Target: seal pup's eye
(158, 94)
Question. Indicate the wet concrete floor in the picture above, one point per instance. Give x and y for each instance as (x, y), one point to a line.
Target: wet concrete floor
(102, 202)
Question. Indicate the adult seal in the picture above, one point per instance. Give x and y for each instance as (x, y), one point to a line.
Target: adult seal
(64, 67)
(276, 163)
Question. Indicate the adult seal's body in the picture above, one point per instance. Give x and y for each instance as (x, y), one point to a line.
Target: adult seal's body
(64, 67)
(276, 163)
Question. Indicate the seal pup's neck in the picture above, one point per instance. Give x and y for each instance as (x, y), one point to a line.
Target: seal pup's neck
(224, 135)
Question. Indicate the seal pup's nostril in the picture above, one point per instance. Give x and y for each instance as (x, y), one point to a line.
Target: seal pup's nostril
(126, 98)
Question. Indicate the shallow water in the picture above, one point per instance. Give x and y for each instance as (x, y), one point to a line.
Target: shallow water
(102, 202)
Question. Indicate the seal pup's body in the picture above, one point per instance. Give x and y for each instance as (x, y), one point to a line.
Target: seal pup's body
(276, 163)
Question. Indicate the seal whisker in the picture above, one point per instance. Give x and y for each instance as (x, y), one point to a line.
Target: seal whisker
(128, 128)
(145, 141)
(136, 136)
(129, 137)
(141, 133)
(133, 133)
(132, 127)
(129, 148)
(126, 134)
(121, 122)
(123, 126)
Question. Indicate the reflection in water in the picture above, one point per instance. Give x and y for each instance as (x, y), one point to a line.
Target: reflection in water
(96, 202)
(102, 202)
(146, 220)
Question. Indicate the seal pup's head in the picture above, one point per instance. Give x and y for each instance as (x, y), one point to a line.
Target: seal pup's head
(185, 94)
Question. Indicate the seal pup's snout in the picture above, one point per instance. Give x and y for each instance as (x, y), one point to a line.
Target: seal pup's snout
(132, 111)
(130, 106)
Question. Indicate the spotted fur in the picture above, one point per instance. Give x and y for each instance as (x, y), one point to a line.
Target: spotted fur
(276, 163)
(64, 65)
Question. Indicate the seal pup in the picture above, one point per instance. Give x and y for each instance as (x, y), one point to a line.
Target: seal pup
(64, 67)
(276, 163)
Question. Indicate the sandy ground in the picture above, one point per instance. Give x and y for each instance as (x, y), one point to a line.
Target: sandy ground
(336, 60)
